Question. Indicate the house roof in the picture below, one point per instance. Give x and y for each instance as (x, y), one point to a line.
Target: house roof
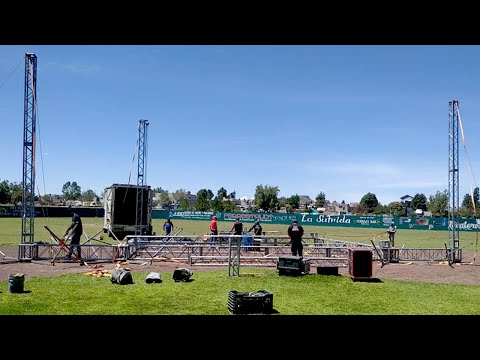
(406, 197)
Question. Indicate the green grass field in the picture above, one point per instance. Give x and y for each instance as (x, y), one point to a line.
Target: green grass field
(77, 294)
(208, 292)
(11, 229)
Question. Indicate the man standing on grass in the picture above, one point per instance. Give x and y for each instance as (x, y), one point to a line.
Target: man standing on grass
(237, 227)
(168, 227)
(295, 233)
(392, 229)
(76, 228)
(213, 226)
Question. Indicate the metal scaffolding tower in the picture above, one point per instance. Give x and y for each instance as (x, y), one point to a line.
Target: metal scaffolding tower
(142, 151)
(453, 181)
(28, 181)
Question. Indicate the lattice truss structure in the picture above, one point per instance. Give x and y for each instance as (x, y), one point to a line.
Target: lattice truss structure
(194, 250)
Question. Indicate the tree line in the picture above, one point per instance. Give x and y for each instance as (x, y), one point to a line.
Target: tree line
(11, 194)
(265, 199)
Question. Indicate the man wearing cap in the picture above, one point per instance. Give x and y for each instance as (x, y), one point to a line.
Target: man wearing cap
(76, 232)
(257, 228)
(392, 229)
(168, 227)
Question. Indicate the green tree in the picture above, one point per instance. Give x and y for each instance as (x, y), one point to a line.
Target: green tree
(381, 210)
(320, 200)
(282, 202)
(419, 201)
(476, 195)
(17, 194)
(89, 195)
(294, 201)
(203, 199)
(369, 202)
(217, 204)
(5, 192)
(266, 197)
(222, 193)
(164, 199)
(71, 191)
(395, 208)
(181, 199)
(183, 204)
(464, 212)
(468, 203)
(229, 206)
(438, 204)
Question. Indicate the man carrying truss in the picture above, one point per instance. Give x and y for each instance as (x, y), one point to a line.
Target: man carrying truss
(76, 232)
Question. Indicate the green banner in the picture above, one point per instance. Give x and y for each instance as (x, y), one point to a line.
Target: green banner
(370, 221)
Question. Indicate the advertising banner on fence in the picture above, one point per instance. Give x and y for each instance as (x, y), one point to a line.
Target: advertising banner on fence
(370, 221)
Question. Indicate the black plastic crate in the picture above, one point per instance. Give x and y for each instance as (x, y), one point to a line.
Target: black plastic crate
(256, 302)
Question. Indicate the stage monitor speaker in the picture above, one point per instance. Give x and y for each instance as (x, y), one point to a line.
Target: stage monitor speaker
(293, 265)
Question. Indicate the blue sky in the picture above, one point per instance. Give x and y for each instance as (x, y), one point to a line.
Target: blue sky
(338, 119)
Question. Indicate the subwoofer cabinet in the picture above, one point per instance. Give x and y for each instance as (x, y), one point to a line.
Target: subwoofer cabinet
(360, 263)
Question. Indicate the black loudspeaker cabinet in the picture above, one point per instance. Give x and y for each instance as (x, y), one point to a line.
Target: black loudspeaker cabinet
(293, 265)
(327, 270)
(360, 263)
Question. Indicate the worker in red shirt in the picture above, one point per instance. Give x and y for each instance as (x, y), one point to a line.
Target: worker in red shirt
(213, 226)
(213, 230)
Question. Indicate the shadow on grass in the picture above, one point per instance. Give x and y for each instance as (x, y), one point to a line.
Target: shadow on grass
(372, 280)
(266, 312)
(19, 292)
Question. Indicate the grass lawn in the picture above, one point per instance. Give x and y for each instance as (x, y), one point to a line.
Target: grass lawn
(207, 293)
(11, 229)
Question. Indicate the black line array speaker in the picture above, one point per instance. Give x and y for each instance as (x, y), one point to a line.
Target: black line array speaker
(360, 262)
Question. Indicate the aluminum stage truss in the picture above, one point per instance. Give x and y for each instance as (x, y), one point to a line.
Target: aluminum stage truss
(57, 252)
(214, 251)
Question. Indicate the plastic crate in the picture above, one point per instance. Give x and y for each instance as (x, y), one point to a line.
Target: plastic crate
(257, 302)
